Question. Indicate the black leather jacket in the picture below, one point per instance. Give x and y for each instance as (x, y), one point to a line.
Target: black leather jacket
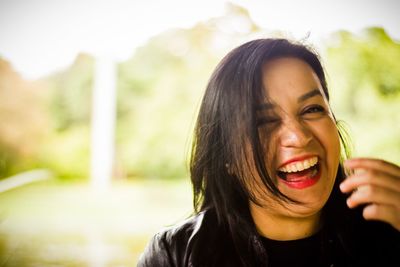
(199, 241)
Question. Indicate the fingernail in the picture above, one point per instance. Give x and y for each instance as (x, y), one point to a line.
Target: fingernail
(349, 203)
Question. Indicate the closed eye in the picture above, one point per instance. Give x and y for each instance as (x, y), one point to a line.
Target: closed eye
(267, 121)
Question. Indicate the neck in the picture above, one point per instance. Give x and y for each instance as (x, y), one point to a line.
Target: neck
(284, 227)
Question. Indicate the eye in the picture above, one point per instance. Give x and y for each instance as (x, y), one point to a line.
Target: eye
(267, 121)
(314, 112)
(314, 109)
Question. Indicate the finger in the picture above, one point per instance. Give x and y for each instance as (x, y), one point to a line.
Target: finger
(374, 164)
(386, 213)
(370, 177)
(373, 194)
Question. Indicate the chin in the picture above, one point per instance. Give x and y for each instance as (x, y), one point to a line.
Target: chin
(304, 210)
(312, 199)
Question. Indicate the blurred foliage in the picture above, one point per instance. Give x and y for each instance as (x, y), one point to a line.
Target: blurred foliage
(70, 94)
(23, 121)
(66, 151)
(159, 90)
(46, 123)
(364, 74)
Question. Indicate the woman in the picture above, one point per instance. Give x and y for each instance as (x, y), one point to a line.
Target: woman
(267, 170)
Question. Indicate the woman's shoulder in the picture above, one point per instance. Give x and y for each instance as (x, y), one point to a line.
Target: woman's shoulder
(171, 246)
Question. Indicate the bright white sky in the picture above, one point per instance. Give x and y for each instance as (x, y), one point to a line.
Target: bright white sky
(41, 36)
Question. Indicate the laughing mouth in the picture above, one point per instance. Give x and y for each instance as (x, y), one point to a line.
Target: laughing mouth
(299, 170)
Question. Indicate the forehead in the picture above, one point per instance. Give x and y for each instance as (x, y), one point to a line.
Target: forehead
(288, 76)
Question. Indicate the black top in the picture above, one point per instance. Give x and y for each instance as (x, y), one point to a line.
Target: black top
(304, 252)
(201, 242)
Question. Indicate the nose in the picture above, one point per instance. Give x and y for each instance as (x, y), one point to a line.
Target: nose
(295, 134)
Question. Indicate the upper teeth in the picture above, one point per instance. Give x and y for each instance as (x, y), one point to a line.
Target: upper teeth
(299, 165)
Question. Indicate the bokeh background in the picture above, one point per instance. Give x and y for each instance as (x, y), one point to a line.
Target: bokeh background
(98, 100)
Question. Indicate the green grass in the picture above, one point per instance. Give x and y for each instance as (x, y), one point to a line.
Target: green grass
(58, 224)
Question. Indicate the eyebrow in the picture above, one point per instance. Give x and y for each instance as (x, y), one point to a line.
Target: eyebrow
(308, 95)
(302, 98)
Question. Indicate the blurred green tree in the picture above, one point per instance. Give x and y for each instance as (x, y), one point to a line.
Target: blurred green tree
(23, 121)
(364, 73)
(69, 94)
(159, 90)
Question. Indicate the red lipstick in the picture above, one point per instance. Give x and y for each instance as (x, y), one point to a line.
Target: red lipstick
(302, 182)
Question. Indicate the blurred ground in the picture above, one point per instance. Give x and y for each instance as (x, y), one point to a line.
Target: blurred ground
(67, 224)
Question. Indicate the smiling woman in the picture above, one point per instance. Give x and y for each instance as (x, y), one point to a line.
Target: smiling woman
(267, 171)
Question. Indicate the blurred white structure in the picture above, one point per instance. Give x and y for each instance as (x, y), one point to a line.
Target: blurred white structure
(103, 123)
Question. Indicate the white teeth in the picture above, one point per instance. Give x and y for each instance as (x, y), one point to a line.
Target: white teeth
(300, 165)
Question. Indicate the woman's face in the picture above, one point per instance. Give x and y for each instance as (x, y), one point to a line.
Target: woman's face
(300, 137)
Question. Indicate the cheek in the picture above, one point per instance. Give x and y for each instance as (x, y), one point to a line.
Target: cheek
(327, 134)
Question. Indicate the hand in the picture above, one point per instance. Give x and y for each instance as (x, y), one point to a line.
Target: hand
(375, 183)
